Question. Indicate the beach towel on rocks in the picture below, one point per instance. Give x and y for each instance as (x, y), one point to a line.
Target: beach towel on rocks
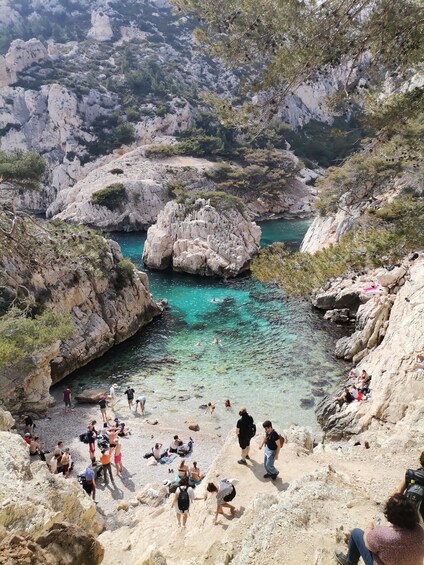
(167, 459)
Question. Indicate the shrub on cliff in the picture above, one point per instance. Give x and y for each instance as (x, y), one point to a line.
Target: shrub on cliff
(124, 274)
(22, 334)
(111, 197)
(383, 239)
(219, 200)
(22, 169)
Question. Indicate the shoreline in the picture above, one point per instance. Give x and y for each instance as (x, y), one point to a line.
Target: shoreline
(137, 471)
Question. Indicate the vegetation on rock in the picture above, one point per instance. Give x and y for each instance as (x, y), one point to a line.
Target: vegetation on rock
(110, 197)
(124, 274)
(218, 199)
(384, 238)
(21, 169)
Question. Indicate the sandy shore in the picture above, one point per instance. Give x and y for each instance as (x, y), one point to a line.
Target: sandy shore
(66, 427)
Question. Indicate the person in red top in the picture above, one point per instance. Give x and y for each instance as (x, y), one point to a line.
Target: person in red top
(28, 438)
(401, 543)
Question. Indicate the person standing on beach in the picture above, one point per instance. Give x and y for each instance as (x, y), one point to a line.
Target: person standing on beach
(112, 396)
(67, 395)
(142, 401)
(130, 396)
(272, 449)
(117, 456)
(102, 404)
(245, 430)
(89, 483)
(105, 461)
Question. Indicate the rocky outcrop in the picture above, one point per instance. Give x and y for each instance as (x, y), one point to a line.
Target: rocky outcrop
(367, 298)
(101, 29)
(202, 239)
(32, 499)
(21, 56)
(107, 301)
(388, 335)
(146, 183)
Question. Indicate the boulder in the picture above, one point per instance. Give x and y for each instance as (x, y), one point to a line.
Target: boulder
(71, 544)
(90, 395)
(202, 239)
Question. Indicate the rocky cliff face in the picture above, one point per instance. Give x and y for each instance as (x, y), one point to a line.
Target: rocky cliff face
(25, 505)
(101, 65)
(147, 189)
(388, 335)
(202, 239)
(107, 301)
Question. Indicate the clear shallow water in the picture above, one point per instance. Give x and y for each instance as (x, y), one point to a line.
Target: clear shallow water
(270, 354)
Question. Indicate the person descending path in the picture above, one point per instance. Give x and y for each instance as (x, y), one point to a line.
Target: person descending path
(183, 497)
(225, 492)
(245, 430)
(273, 444)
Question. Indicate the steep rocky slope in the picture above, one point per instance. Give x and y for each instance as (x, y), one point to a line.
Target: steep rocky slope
(80, 79)
(205, 237)
(80, 276)
(389, 333)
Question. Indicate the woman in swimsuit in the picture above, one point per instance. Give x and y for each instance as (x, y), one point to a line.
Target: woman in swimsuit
(183, 470)
(195, 475)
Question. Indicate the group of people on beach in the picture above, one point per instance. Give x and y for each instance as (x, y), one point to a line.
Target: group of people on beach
(402, 542)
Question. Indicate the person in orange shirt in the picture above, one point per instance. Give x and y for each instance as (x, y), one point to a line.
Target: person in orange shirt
(105, 461)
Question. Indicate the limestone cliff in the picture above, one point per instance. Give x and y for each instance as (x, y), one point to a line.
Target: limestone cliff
(77, 274)
(202, 238)
(388, 335)
(146, 184)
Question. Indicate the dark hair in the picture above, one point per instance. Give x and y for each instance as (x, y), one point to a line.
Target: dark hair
(267, 424)
(183, 482)
(401, 511)
(422, 459)
(175, 437)
(211, 487)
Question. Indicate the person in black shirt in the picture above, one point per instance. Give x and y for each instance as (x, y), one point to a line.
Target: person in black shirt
(244, 431)
(130, 396)
(272, 449)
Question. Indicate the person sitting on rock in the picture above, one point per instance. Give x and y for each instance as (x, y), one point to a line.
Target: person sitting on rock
(36, 449)
(345, 397)
(400, 543)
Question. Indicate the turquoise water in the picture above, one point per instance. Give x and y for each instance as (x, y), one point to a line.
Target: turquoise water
(271, 350)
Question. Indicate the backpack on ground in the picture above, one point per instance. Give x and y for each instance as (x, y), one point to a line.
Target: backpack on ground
(183, 499)
(85, 437)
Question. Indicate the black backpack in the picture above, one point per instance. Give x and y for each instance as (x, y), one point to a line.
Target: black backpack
(252, 427)
(183, 499)
(415, 489)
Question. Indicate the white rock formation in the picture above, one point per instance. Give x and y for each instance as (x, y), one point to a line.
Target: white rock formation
(100, 30)
(389, 333)
(146, 186)
(21, 55)
(202, 239)
(32, 499)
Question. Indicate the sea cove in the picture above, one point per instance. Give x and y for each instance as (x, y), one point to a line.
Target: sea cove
(274, 353)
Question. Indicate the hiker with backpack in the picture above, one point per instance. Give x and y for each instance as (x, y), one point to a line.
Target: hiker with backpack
(245, 431)
(183, 497)
(225, 492)
(412, 486)
(273, 442)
